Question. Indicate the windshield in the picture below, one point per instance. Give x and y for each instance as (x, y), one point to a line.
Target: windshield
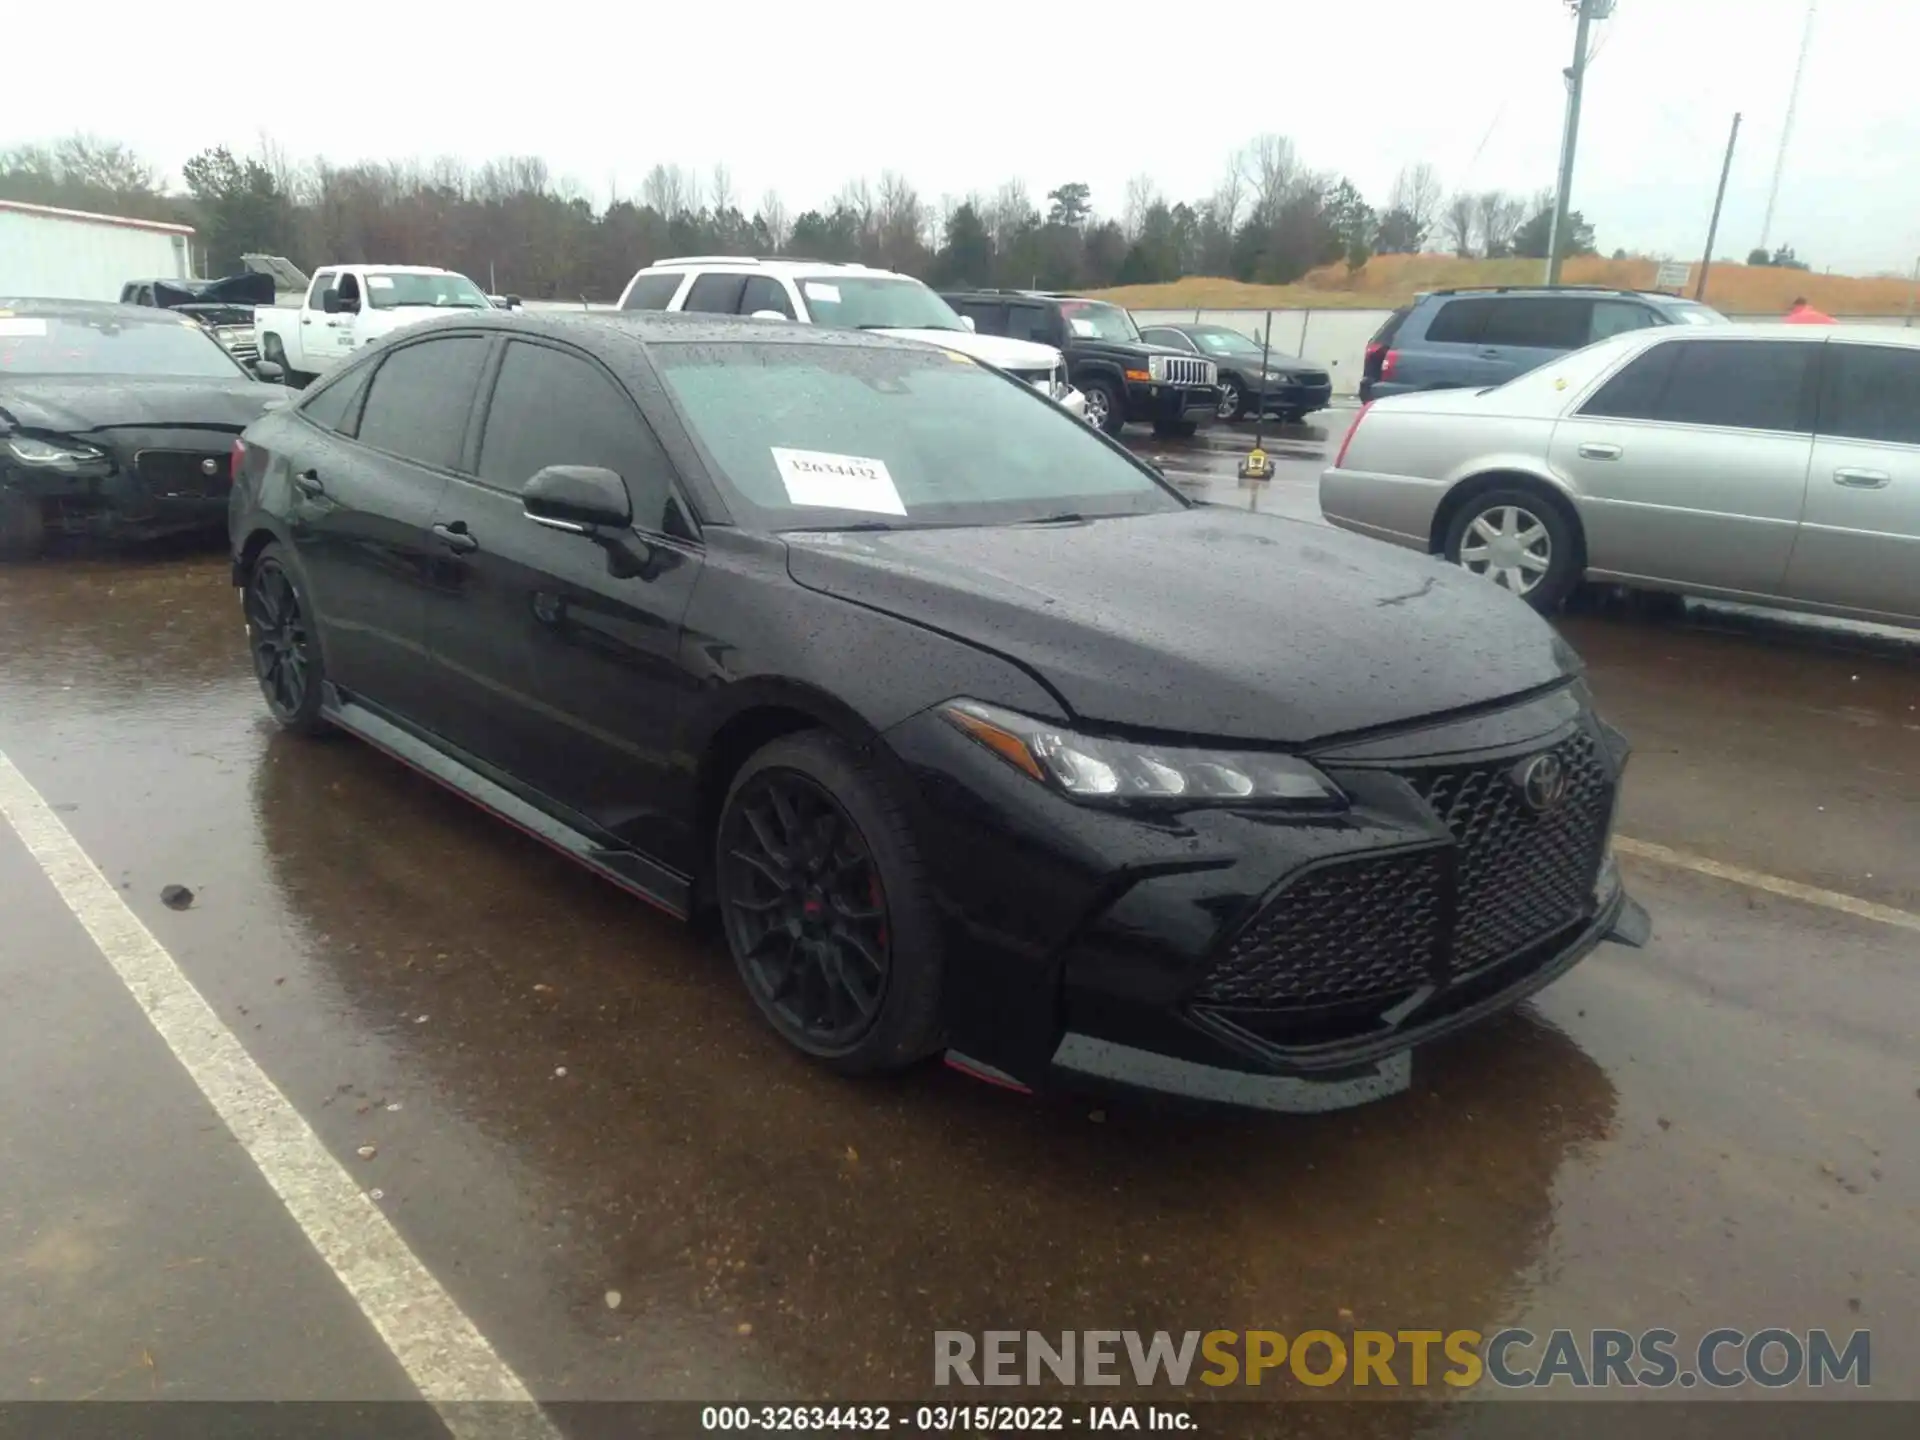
(1093, 320)
(868, 303)
(1224, 342)
(67, 345)
(821, 437)
(386, 292)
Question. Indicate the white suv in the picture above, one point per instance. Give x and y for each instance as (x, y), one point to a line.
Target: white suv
(853, 297)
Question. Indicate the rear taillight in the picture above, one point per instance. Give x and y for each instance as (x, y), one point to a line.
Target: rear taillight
(237, 460)
(1341, 459)
(1370, 367)
(1389, 363)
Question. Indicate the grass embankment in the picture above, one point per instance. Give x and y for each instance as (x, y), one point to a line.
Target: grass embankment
(1389, 280)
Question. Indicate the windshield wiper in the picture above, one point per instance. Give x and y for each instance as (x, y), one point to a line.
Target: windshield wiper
(1065, 517)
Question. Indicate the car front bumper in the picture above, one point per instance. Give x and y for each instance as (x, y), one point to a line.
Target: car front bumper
(1233, 957)
(1296, 399)
(151, 484)
(1160, 403)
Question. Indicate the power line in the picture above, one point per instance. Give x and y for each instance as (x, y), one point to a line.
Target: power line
(1786, 128)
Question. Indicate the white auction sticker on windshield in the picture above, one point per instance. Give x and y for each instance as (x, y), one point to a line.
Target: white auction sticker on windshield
(380, 282)
(838, 482)
(22, 327)
(1082, 327)
(825, 294)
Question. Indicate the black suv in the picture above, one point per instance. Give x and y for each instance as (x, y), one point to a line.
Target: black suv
(1476, 337)
(1123, 377)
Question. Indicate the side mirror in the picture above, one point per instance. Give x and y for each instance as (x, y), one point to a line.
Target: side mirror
(513, 302)
(330, 302)
(272, 371)
(577, 498)
(967, 320)
(769, 315)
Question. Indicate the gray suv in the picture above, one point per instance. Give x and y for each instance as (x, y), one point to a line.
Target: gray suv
(1453, 339)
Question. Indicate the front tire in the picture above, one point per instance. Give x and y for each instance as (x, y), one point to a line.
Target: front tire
(1106, 408)
(23, 527)
(1523, 540)
(826, 907)
(1233, 400)
(281, 640)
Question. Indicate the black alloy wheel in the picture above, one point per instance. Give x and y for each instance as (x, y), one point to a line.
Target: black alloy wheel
(286, 661)
(824, 907)
(1233, 402)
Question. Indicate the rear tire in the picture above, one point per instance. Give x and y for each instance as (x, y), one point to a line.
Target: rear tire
(23, 527)
(281, 640)
(1522, 539)
(826, 906)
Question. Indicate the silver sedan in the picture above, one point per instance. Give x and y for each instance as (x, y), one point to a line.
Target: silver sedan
(1770, 464)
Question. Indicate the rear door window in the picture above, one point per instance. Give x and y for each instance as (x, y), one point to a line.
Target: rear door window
(1539, 322)
(1635, 393)
(1459, 322)
(1872, 392)
(1030, 322)
(337, 404)
(652, 292)
(715, 295)
(989, 317)
(421, 399)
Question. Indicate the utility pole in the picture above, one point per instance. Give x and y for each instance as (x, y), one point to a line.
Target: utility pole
(1576, 73)
(1719, 197)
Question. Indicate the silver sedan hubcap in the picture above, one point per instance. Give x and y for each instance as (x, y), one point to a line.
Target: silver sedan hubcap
(1229, 401)
(1509, 546)
(1096, 407)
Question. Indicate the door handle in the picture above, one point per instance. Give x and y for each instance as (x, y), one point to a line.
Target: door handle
(306, 319)
(1489, 353)
(1862, 479)
(1599, 450)
(307, 482)
(455, 537)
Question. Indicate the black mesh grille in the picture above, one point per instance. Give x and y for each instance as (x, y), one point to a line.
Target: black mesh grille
(1522, 876)
(1350, 931)
(183, 472)
(1373, 927)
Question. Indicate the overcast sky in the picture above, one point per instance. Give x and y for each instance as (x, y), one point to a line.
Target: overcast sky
(963, 95)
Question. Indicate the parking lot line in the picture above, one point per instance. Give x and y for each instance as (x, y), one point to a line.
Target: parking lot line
(1772, 884)
(445, 1356)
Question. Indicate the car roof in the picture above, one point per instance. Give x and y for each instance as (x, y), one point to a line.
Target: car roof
(1780, 330)
(35, 307)
(658, 327)
(771, 265)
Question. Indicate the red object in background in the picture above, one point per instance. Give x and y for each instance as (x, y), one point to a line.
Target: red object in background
(1807, 315)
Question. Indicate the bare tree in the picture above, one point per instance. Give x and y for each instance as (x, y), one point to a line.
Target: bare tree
(671, 190)
(1458, 224)
(1142, 196)
(1497, 215)
(720, 188)
(1009, 212)
(773, 213)
(900, 221)
(1416, 194)
(1272, 171)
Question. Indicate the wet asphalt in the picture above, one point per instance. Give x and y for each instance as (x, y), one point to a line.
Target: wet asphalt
(569, 1095)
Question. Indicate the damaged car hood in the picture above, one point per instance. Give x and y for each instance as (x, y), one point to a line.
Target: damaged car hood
(1210, 622)
(70, 406)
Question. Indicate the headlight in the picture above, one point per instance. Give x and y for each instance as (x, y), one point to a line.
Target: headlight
(1093, 769)
(1278, 377)
(1157, 366)
(51, 455)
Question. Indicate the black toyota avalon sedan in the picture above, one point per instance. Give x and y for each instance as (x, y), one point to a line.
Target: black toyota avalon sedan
(116, 422)
(980, 739)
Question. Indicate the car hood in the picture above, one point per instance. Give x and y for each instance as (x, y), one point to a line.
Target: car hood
(75, 405)
(998, 350)
(1211, 622)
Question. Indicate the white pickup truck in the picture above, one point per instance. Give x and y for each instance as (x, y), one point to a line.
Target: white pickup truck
(349, 306)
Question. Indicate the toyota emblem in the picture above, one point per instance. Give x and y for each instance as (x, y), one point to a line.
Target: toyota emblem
(1543, 782)
(209, 466)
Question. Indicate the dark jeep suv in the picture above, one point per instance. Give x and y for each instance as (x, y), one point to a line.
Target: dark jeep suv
(1123, 376)
(1451, 339)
